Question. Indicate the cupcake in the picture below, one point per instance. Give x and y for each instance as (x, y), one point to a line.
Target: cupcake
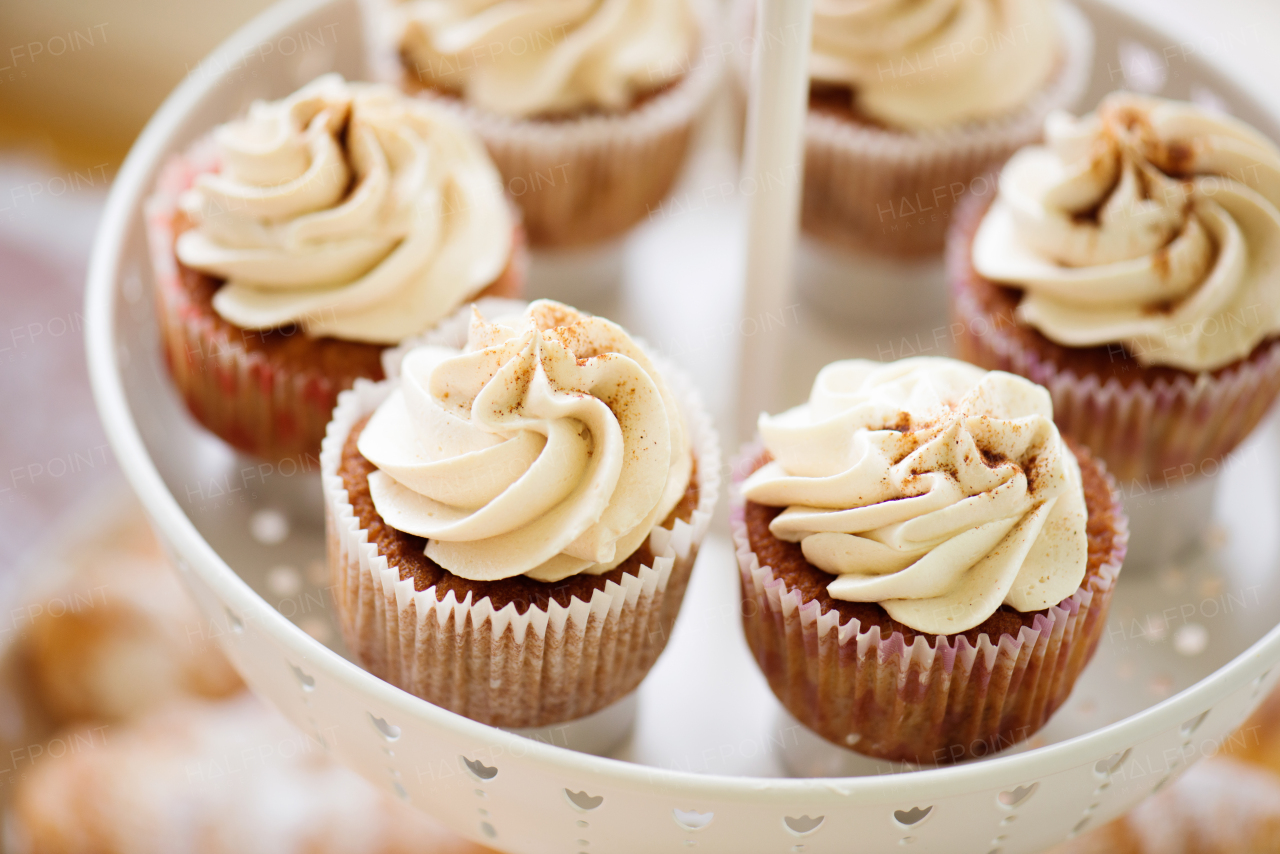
(512, 523)
(926, 562)
(587, 110)
(912, 100)
(295, 244)
(1131, 265)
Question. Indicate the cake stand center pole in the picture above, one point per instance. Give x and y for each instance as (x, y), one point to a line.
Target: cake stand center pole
(772, 177)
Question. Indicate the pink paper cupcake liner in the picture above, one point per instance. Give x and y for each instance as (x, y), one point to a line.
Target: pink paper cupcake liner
(932, 701)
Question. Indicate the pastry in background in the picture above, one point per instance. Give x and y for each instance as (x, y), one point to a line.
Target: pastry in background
(1218, 806)
(199, 777)
(1225, 804)
(1258, 740)
(121, 636)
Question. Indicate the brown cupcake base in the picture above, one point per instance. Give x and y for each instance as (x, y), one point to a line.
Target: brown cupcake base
(269, 392)
(1153, 425)
(866, 682)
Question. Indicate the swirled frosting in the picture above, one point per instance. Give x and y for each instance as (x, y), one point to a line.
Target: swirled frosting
(932, 487)
(548, 447)
(920, 64)
(1151, 224)
(533, 57)
(349, 209)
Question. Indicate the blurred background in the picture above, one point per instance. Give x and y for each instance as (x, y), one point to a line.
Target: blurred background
(78, 81)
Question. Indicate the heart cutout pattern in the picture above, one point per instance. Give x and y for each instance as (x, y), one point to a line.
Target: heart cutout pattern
(306, 680)
(911, 817)
(1194, 724)
(1016, 796)
(583, 801)
(482, 771)
(1103, 767)
(388, 731)
(692, 819)
(803, 825)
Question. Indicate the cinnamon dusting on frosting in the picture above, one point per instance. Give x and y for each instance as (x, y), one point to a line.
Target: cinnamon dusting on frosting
(542, 462)
(984, 508)
(1150, 224)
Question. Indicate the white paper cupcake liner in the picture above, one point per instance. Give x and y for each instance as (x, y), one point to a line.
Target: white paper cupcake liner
(932, 701)
(579, 181)
(503, 668)
(1151, 434)
(892, 192)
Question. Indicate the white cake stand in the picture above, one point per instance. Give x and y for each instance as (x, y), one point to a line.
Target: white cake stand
(1188, 653)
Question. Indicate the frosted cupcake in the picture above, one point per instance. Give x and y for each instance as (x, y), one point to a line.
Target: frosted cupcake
(926, 563)
(912, 100)
(1132, 265)
(297, 243)
(587, 109)
(512, 523)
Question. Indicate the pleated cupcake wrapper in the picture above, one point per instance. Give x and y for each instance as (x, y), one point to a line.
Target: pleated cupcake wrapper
(1151, 435)
(935, 700)
(543, 667)
(234, 393)
(892, 192)
(580, 181)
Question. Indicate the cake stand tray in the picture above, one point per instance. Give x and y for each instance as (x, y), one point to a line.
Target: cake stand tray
(1187, 654)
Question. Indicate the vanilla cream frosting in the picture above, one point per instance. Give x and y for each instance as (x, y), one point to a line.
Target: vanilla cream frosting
(1151, 223)
(549, 446)
(921, 64)
(930, 486)
(532, 57)
(349, 209)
